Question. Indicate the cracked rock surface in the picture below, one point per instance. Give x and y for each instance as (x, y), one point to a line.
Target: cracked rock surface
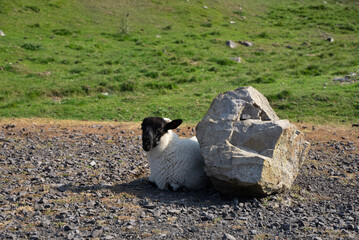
(247, 149)
(88, 180)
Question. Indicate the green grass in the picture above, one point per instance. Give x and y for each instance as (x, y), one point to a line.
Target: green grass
(59, 57)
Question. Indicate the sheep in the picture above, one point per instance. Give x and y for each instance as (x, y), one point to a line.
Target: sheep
(174, 162)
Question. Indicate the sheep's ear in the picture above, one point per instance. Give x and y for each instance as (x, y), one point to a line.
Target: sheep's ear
(173, 124)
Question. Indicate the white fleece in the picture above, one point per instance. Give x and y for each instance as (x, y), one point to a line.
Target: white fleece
(177, 162)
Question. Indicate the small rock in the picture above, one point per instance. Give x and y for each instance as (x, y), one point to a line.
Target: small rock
(22, 193)
(245, 43)
(231, 44)
(174, 211)
(105, 93)
(71, 235)
(228, 236)
(232, 22)
(285, 227)
(67, 228)
(109, 237)
(2, 34)
(236, 59)
(96, 233)
(93, 163)
(207, 217)
(34, 237)
(148, 205)
(330, 39)
(205, 7)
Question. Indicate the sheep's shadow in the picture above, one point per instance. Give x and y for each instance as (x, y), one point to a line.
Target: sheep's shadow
(144, 191)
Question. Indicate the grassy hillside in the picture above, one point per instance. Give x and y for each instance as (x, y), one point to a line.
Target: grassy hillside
(116, 59)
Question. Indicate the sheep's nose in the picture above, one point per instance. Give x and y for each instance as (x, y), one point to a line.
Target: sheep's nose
(146, 144)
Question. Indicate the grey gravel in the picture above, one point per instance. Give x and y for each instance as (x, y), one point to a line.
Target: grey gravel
(51, 190)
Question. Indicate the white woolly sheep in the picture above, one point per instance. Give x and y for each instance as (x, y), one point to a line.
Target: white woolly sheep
(174, 162)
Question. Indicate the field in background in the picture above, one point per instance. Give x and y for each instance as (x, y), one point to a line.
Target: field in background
(124, 60)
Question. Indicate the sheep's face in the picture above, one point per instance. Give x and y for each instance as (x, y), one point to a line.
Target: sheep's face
(153, 128)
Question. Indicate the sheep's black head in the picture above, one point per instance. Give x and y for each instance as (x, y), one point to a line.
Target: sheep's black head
(153, 128)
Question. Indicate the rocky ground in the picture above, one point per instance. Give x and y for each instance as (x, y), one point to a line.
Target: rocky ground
(85, 180)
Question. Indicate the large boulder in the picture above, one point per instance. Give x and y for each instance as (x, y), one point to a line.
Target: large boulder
(247, 149)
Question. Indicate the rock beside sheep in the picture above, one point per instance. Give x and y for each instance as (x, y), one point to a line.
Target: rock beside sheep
(246, 148)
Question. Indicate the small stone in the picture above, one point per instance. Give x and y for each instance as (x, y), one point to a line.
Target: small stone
(330, 39)
(109, 237)
(96, 233)
(285, 227)
(231, 44)
(228, 236)
(142, 214)
(253, 232)
(205, 7)
(46, 223)
(148, 205)
(207, 217)
(246, 43)
(174, 211)
(2, 34)
(236, 59)
(93, 163)
(22, 193)
(67, 228)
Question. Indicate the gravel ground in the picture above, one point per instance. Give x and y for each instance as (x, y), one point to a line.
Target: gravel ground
(88, 180)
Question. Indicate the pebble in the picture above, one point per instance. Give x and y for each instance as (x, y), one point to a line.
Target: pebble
(238, 60)
(228, 236)
(174, 211)
(96, 233)
(231, 44)
(246, 43)
(285, 227)
(67, 228)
